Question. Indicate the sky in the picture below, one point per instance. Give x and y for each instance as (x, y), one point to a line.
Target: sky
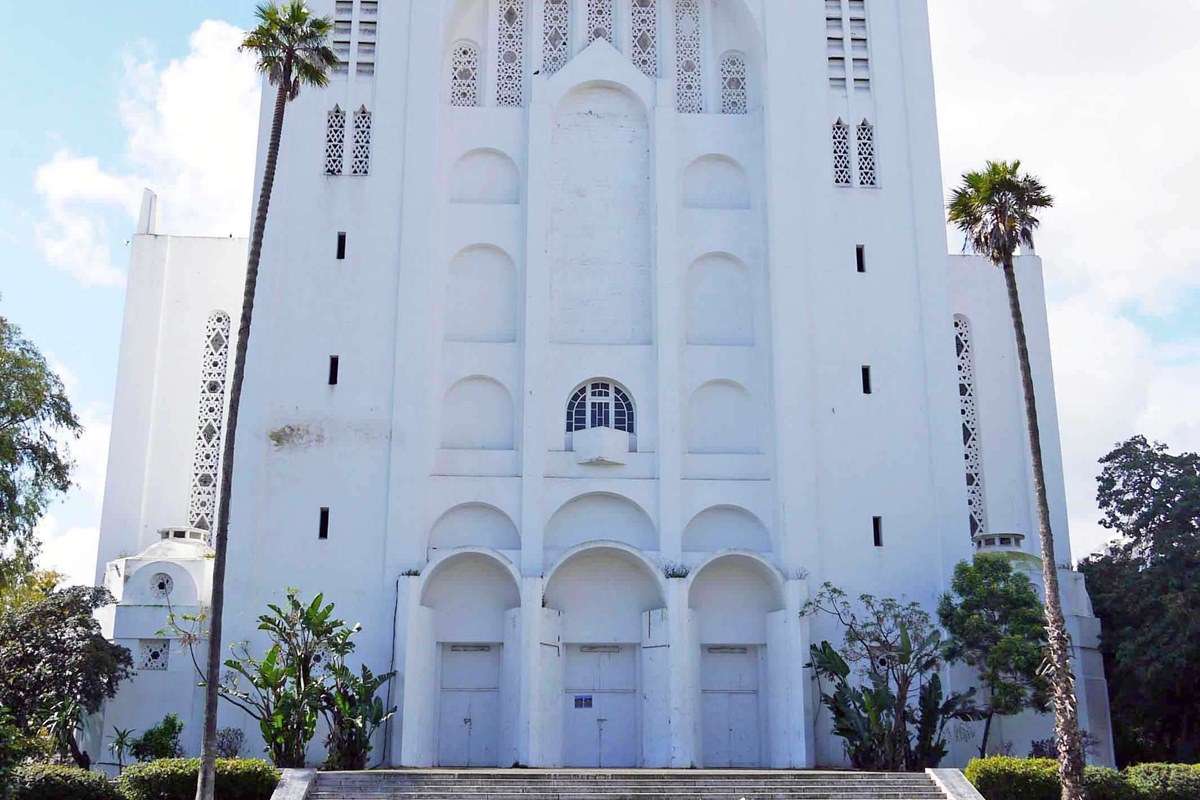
(1094, 96)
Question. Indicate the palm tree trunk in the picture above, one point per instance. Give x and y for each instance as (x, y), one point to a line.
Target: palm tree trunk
(206, 782)
(1066, 717)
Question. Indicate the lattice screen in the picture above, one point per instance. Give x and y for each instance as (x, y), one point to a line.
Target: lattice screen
(733, 84)
(841, 154)
(866, 155)
(510, 55)
(210, 423)
(335, 141)
(360, 163)
(464, 75)
(969, 409)
(645, 36)
(689, 78)
(556, 35)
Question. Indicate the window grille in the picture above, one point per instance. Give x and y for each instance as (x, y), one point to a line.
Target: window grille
(866, 155)
(556, 35)
(464, 75)
(210, 423)
(733, 84)
(600, 20)
(360, 163)
(601, 404)
(153, 654)
(335, 141)
(969, 410)
(510, 53)
(645, 36)
(846, 44)
(689, 78)
(841, 154)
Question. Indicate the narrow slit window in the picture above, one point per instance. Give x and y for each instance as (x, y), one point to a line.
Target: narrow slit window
(860, 258)
(877, 530)
(866, 379)
(323, 524)
(341, 246)
(333, 370)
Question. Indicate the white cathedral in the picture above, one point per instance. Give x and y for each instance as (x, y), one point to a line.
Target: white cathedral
(592, 337)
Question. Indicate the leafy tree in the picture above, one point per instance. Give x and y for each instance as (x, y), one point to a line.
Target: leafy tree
(997, 210)
(1145, 588)
(353, 712)
(27, 587)
(897, 652)
(293, 51)
(119, 745)
(995, 624)
(159, 741)
(56, 667)
(35, 417)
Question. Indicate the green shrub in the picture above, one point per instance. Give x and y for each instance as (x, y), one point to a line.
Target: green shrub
(1104, 783)
(1006, 778)
(160, 741)
(54, 782)
(175, 779)
(1165, 781)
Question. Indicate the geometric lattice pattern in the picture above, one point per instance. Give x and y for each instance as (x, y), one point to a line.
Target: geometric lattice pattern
(210, 423)
(153, 654)
(556, 35)
(733, 84)
(969, 409)
(841, 154)
(866, 155)
(600, 20)
(360, 162)
(161, 585)
(464, 75)
(689, 80)
(335, 141)
(510, 53)
(645, 36)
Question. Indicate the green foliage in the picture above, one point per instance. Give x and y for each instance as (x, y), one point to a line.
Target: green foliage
(55, 666)
(229, 742)
(284, 690)
(19, 590)
(353, 712)
(159, 741)
(1145, 588)
(996, 209)
(175, 779)
(35, 418)
(291, 46)
(995, 623)
(54, 782)
(119, 744)
(1165, 781)
(896, 652)
(1005, 778)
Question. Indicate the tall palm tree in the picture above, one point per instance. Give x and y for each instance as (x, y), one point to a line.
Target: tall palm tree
(996, 208)
(292, 50)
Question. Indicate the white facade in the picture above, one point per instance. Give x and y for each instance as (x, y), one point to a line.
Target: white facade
(614, 298)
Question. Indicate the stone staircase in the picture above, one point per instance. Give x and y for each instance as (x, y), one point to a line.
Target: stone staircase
(620, 785)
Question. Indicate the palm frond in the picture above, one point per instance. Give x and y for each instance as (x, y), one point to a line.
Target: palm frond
(996, 209)
(292, 45)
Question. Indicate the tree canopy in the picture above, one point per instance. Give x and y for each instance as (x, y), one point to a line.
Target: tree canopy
(996, 625)
(1145, 588)
(35, 420)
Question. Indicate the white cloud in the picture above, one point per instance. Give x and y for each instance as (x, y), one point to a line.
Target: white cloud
(70, 551)
(190, 129)
(1087, 95)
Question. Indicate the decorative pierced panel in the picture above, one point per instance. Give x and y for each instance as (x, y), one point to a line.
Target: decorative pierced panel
(360, 163)
(335, 141)
(601, 404)
(733, 84)
(600, 20)
(556, 35)
(464, 75)
(689, 80)
(153, 654)
(210, 423)
(161, 585)
(645, 36)
(968, 407)
(846, 43)
(841, 154)
(510, 53)
(866, 155)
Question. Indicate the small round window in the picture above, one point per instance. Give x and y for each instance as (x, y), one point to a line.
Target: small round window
(162, 584)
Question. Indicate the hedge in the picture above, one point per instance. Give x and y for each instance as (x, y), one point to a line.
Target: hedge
(175, 779)
(54, 782)
(1005, 778)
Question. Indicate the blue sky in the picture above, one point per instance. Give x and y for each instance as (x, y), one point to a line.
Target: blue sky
(114, 96)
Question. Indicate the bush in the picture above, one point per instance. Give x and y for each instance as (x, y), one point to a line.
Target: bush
(1006, 778)
(1104, 783)
(175, 779)
(229, 742)
(160, 741)
(54, 782)
(1164, 781)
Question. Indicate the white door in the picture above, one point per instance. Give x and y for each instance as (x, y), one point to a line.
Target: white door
(469, 711)
(729, 706)
(600, 712)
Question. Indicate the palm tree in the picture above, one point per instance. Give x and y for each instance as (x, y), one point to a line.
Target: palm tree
(996, 209)
(292, 50)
